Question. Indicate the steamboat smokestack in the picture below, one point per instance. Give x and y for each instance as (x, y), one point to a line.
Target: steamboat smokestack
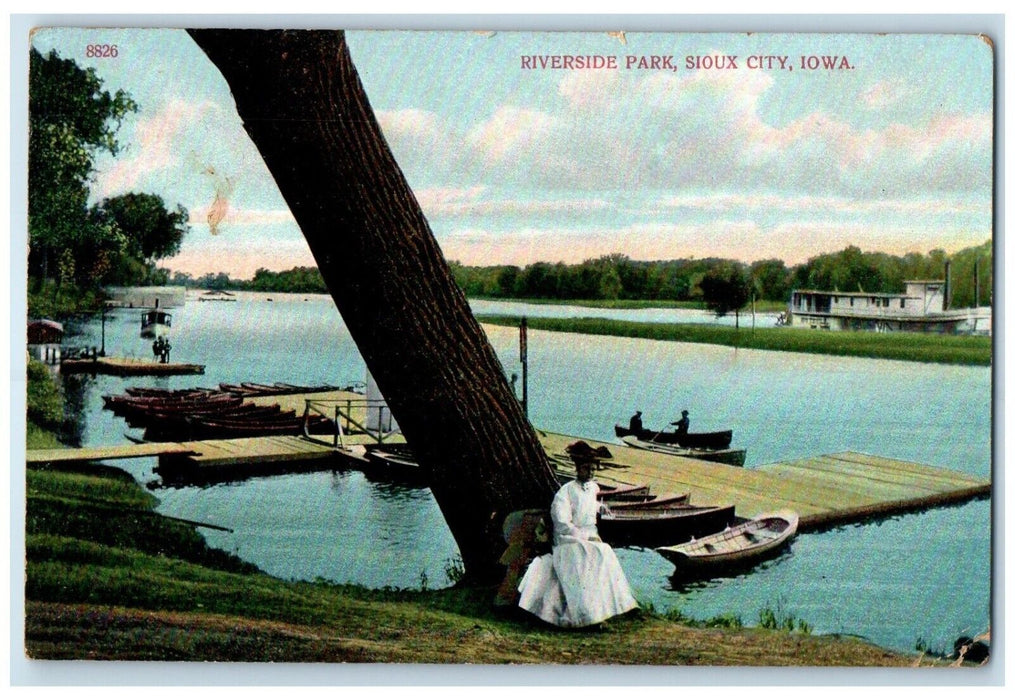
(946, 302)
(976, 284)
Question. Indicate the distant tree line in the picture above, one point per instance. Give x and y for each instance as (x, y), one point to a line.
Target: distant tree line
(298, 280)
(726, 285)
(720, 284)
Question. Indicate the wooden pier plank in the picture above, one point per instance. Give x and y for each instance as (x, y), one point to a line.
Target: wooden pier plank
(89, 454)
(824, 490)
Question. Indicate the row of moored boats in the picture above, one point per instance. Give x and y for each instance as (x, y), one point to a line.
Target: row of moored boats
(216, 413)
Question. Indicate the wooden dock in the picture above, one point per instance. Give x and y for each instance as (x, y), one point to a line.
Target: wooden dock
(826, 490)
(92, 454)
(127, 367)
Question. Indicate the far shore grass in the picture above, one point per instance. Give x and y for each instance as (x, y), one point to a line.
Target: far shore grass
(912, 347)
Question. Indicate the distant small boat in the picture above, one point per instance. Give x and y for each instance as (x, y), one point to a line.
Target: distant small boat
(719, 440)
(155, 323)
(213, 295)
(732, 457)
(735, 547)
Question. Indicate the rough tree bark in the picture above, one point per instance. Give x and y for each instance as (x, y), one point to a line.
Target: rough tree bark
(303, 105)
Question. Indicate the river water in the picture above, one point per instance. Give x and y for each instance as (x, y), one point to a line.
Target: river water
(922, 578)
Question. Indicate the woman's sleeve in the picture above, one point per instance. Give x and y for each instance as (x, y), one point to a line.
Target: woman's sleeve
(560, 512)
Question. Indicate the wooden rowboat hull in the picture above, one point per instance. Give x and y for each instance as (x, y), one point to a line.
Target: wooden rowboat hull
(732, 457)
(718, 440)
(737, 548)
(653, 527)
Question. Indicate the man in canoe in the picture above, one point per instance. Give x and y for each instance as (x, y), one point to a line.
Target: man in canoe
(581, 582)
(635, 423)
(683, 424)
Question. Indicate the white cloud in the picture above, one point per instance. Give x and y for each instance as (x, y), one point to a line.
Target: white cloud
(157, 144)
(703, 130)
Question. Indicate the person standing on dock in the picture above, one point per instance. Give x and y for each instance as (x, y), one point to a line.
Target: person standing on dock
(581, 582)
(683, 424)
(635, 423)
(157, 349)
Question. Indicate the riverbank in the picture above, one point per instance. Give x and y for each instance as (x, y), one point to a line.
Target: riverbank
(913, 347)
(759, 306)
(108, 578)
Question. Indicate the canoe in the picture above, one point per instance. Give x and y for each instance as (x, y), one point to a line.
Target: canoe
(395, 462)
(128, 402)
(158, 392)
(276, 389)
(736, 547)
(653, 527)
(223, 429)
(620, 492)
(718, 440)
(732, 457)
(649, 502)
(139, 416)
(162, 427)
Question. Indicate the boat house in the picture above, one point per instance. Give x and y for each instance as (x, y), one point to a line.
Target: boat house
(921, 308)
(44, 339)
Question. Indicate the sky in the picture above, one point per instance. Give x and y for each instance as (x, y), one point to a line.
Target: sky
(704, 152)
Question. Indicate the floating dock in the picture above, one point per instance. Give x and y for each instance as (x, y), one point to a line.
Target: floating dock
(127, 367)
(826, 490)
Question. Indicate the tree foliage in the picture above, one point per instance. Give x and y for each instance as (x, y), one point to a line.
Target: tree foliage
(72, 119)
(151, 231)
(726, 288)
(618, 277)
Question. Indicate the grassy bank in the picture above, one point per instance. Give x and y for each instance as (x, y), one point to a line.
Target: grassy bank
(915, 347)
(760, 306)
(107, 578)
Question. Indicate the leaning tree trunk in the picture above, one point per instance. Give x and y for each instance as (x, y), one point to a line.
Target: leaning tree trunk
(303, 105)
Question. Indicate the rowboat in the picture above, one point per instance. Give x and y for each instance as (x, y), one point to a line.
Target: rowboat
(276, 389)
(735, 547)
(161, 427)
(140, 415)
(121, 403)
(649, 502)
(394, 461)
(620, 492)
(655, 526)
(719, 440)
(733, 457)
(213, 427)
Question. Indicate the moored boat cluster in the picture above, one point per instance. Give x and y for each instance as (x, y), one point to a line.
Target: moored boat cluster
(206, 414)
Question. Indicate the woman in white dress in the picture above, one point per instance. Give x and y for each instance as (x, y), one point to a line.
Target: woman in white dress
(581, 582)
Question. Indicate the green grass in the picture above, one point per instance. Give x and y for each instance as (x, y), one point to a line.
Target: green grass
(914, 347)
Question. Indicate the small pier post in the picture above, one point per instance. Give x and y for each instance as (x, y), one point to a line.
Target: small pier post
(523, 343)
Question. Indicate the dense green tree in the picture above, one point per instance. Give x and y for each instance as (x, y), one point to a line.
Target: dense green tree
(151, 232)
(772, 279)
(71, 120)
(726, 288)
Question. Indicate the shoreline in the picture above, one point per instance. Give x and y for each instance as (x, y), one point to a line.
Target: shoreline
(909, 347)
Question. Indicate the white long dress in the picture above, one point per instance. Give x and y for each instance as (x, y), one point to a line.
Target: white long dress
(581, 582)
